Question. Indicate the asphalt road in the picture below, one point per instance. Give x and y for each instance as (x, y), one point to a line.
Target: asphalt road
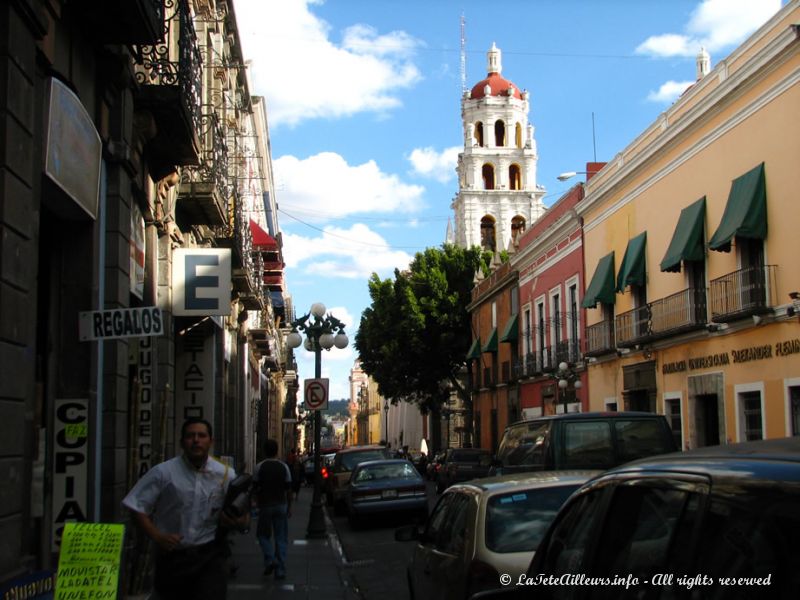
(375, 561)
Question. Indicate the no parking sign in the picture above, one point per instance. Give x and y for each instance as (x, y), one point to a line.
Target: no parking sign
(316, 394)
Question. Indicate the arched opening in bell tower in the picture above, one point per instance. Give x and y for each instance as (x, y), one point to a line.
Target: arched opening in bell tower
(518, 135)
(499, 133)
(479, 133)
(488, 234)
(517, 228)
(514, 177)
(487, 172)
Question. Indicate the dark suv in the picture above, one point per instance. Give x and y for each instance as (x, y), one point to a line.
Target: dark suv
(462, 464)
(594, 440)
(716, 522)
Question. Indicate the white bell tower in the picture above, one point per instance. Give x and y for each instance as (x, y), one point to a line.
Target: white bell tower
(497, 195)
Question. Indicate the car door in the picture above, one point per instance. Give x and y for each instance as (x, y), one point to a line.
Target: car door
(439, 564)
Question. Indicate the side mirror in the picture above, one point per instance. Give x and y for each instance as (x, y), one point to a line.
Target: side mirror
(408, 533)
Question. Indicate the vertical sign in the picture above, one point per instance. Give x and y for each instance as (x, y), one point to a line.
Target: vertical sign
(201, 281)
(70, 464)
(144, 407)
(194, 376)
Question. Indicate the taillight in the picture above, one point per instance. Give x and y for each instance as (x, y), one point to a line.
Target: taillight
(324, 472)
(481, 576)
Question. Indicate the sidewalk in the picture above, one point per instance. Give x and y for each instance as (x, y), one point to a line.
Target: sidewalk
(313, 567)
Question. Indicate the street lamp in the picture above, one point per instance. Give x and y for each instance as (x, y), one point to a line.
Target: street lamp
(565, 375)
(322, 333)
(386, 420)
(571, 174)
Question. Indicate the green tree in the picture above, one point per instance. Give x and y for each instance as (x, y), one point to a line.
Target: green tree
(415, 335)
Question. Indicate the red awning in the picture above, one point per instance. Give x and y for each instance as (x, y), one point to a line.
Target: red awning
(261, 239)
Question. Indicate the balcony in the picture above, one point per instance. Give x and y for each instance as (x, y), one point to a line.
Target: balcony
(675, 314)
(743, 293)
(600, 338)
(170, 89)
(122, 21)
(205, 189)
(246, 264)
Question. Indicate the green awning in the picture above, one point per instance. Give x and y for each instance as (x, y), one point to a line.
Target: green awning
(745, 214)
(687, 240)
(491, 342)
(474, 350)
(511, 331)
(601, 288)
(633, 270)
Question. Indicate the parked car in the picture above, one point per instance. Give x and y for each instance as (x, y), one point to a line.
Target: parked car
(342, 465)
(385, 486)
(722, 519)
(308, 467)
(595, 440)
(484, 528)
(463, 464)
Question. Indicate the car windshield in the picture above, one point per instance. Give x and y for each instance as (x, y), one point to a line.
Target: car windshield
(351, 459)
(387, 471)
(524, 444)
(465, 456)
(516, 521)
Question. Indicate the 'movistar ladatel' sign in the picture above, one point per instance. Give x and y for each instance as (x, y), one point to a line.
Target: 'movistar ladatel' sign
(201, 282)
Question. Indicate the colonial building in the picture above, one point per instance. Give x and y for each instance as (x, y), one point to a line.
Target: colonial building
(131, 148)
(497, 193)
(690, 238)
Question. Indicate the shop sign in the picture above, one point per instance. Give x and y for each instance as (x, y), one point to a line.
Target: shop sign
(120, 323)
(144, 407)
(70, 464)
(741, 355)
(194, 377)
(201, 282)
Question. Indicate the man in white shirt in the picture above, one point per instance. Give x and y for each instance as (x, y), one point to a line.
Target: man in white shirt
(178, 504)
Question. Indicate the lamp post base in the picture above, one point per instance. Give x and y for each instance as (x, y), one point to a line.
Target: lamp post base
(316, 522)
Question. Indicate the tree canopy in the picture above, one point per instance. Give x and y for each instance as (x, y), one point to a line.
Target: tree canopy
(415, 335)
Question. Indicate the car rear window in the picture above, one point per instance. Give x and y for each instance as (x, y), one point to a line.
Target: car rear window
(517, 521)
(641, 437)
(352, 459)
(524, 444)
(587, 444)
(390, 471)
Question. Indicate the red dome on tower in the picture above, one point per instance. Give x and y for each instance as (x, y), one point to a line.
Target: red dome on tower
(498, 86)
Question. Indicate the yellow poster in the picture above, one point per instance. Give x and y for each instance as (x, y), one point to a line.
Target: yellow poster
(89, 562)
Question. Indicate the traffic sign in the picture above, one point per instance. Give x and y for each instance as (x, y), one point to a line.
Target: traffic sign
(316, 394)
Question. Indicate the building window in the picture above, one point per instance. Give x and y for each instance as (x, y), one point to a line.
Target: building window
(518, 135)
(487, 172)
(488, 241)
(573, 323)
(517, 228)
(752, 422)
(672, 408)
(514, 178)
(499, 133)
(479, 133)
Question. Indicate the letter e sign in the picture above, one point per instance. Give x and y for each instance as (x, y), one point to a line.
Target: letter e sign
(201, 282)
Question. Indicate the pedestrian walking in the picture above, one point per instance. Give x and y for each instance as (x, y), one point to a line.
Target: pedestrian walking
(296, 469)
(179, 506)
(273, 494)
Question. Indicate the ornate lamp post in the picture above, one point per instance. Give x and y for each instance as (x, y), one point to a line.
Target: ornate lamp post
(386, 420)
(322, 333)
(566, 375)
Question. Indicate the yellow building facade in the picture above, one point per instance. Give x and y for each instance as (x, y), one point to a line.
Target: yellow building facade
(691, 245)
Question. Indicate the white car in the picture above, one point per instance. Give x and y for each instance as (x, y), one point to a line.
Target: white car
(482, 529)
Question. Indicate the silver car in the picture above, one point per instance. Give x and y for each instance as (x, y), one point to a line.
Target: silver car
(485, 528)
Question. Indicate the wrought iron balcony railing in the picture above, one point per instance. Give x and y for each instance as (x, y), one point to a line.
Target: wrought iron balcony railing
(600, 338)
(677, 313)
(743, 293)
(206, 188)
(170, 88)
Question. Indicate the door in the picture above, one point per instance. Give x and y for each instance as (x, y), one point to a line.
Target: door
(706, 420)
(440, 562)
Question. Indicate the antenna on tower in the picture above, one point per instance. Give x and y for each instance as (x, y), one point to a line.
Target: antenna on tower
(463, 54)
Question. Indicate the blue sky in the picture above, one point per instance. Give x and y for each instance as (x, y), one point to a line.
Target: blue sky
(363, 101)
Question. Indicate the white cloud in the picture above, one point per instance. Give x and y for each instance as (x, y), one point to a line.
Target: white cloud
(440, 166)
(324, 186)
(715, 25)
(669, 91)
(304, 74)
(353, 253)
